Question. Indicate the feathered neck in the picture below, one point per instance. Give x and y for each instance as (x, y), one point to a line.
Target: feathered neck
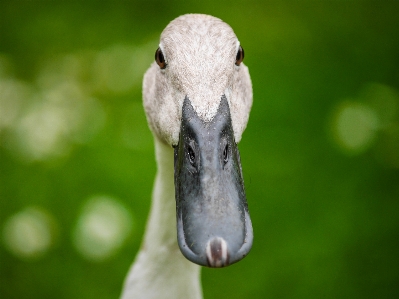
(160, 270)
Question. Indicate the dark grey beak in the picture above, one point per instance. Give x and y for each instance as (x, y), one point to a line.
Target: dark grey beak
(213, 224)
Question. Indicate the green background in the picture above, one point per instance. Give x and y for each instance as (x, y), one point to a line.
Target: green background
(320, 154)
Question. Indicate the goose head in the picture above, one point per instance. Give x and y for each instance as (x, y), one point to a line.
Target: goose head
(197, 98)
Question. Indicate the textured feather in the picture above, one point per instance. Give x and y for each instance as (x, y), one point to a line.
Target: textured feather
(200, 53)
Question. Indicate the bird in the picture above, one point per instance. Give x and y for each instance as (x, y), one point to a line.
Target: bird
(197, 96)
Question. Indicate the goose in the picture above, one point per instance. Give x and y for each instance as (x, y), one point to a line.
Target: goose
(197, 96)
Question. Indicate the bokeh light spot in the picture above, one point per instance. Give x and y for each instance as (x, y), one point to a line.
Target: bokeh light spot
(54, 120)
(102, 228)
(29, 233)
(13, 94)
(354, 126)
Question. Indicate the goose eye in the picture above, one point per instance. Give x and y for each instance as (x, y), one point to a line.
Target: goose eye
(240, 56)
(160, 59)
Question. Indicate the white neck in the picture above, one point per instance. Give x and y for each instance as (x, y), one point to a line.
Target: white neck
(160, 270)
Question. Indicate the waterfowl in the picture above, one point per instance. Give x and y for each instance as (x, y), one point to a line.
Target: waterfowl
(197, 97)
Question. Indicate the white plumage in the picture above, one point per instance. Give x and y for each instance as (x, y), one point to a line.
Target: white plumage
(200, 51)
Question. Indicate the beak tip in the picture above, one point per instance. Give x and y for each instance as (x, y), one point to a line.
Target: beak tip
(217, 253)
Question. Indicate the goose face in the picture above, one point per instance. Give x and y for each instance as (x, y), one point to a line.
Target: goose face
(197, 97)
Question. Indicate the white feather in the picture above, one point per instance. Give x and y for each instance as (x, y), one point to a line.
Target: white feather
(200, 53)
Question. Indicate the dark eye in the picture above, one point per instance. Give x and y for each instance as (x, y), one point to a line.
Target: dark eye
(160, 59)
(226, 154)
(191, 155)
(240, 56)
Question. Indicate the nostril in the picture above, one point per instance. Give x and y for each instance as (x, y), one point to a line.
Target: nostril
(217, 253)
(191, 155)
(226, 154)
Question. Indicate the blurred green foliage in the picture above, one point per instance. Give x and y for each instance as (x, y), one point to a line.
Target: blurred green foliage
(320, 154)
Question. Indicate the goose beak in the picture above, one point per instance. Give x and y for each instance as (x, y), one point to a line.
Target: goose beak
(213, 224)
